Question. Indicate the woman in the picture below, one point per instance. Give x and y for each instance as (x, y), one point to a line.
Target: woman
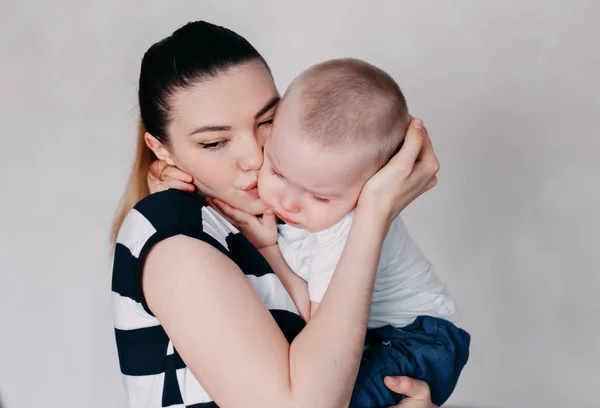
(200, 317)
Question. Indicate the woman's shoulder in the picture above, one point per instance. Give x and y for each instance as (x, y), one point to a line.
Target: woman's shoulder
(171, 207)
(169, 213)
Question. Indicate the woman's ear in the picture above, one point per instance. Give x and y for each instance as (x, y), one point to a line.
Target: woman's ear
(159, 149)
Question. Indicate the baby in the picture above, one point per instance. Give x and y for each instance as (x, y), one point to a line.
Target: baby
(338, 123)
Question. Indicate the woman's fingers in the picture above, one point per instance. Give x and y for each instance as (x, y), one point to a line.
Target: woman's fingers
(410, 173)
(398, 172)
(427, 165)
(427, 154)
(432, 183)
(413, 143)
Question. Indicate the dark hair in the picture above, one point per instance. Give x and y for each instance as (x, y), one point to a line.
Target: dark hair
(196, 52)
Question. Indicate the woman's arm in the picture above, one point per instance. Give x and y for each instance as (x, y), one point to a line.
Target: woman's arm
(226, 336)
(218, 324)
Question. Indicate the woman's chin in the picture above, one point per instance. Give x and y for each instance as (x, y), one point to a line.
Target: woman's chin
(250, 205)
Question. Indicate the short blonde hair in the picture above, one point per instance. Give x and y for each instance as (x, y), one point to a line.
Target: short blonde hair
(350, 102)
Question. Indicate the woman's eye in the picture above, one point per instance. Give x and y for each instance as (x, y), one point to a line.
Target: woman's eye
(214, 145)
(266, 122)
(320, 200)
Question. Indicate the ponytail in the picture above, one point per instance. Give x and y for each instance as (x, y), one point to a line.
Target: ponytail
(137, 186)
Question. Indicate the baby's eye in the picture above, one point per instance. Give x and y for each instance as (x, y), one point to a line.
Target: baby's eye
(320, 200)
(274, 172)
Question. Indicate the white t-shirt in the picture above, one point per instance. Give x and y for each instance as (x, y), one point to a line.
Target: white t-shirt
(406, 285)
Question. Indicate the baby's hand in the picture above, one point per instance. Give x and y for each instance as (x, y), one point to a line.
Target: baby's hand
(162, 177)
(260, 231)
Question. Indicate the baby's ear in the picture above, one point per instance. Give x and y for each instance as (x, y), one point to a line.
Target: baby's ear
(159, 149)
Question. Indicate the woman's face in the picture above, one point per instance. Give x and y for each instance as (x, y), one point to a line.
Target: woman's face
(217, 132)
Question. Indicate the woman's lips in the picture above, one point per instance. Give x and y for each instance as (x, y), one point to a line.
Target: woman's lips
(252, 190)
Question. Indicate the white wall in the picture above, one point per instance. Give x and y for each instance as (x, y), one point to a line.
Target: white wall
(510, 91)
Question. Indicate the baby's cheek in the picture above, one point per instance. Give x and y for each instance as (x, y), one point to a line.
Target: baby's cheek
(318, 215)
(265, 191)
(331, 214)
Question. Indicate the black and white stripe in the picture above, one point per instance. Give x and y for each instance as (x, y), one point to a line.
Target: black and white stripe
(154, 373)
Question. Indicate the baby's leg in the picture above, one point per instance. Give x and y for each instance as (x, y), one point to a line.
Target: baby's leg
(430, 349)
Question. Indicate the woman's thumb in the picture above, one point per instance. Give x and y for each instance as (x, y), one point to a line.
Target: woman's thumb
(408, 386)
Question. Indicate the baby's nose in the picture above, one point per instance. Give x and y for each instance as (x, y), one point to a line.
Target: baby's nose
(289, 203)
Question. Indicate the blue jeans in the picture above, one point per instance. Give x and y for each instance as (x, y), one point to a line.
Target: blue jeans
(430, 349)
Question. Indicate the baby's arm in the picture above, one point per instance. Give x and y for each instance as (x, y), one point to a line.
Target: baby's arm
(294, 285)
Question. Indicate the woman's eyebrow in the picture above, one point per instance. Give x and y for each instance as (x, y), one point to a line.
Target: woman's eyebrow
(216, 128)
(211, 128)
(274, 101)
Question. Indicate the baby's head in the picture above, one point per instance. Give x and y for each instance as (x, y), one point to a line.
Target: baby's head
(338, 123)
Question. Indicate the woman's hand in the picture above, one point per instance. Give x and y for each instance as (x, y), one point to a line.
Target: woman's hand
(410, 173)
(162, 177)
(417, 392)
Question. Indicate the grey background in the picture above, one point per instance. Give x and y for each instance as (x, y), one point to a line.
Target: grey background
(510, 91)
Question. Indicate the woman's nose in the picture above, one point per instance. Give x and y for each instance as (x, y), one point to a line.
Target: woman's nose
(251, 155)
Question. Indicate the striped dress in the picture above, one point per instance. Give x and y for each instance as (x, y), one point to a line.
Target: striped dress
(154, 373)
